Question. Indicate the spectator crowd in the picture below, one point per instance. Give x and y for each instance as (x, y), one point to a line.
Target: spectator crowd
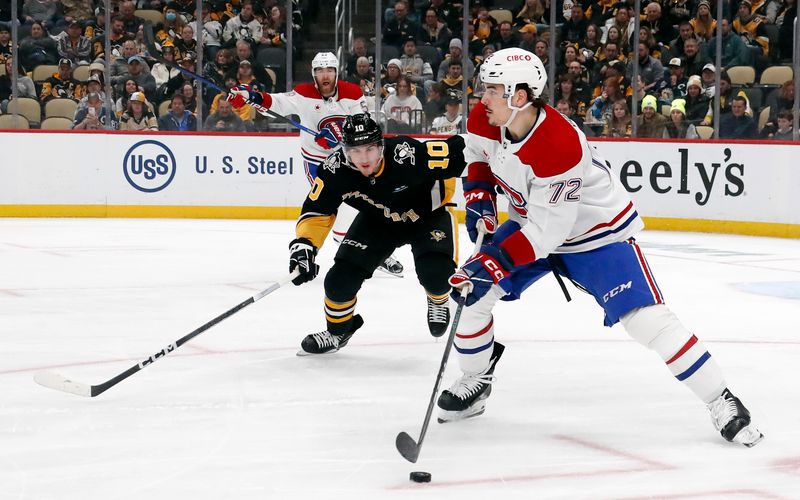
(594, 63)
(426, 71)
(62, 56)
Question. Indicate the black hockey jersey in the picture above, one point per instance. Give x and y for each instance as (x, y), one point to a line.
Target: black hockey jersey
(414, 179)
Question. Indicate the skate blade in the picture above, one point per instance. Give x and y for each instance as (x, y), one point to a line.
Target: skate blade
(748, 436)
(454, 416)
(390, 272)
(302, 353)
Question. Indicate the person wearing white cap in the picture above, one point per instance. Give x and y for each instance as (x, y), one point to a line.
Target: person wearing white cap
(674, 86)
(568, 214)
(394, 70)
(709, 77)
(697, 102)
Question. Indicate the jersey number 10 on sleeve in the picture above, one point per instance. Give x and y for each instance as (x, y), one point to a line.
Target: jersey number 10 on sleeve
(316, 189)
(437, 149)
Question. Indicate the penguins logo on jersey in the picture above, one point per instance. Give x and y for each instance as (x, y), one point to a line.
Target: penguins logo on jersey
(331, 163)
(437, 235)
(404, 151)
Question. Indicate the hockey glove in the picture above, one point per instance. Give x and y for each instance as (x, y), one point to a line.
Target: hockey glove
(481, 209)
(302, 254)
(326, 139)
(488, 267)
(242, 95)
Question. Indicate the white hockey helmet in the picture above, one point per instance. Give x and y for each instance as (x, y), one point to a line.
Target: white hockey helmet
(324, 60)
(514, 66)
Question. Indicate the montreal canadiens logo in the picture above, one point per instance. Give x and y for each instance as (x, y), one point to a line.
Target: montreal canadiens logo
(149, 166)
(334, 124)
(516, 200)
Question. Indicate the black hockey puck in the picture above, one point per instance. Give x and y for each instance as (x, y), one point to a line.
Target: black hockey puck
(420, 477)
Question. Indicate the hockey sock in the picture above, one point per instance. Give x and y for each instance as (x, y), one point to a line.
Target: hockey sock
(474, 348)
(658, 329)
(474, 340)
(339, 315)
(439, 299)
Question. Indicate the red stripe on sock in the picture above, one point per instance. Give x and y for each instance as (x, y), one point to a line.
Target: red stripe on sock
(688, 345)
(473, 335)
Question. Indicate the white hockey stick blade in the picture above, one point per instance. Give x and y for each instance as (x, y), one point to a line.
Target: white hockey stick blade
(57, 382)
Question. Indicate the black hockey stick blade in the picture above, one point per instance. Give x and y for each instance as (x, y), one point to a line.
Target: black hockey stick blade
(407, 447)
(405, 444)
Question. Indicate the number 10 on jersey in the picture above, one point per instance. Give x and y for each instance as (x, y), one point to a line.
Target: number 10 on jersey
(437, 152)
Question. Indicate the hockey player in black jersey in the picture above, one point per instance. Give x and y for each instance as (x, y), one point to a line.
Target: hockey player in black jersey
(402, 189)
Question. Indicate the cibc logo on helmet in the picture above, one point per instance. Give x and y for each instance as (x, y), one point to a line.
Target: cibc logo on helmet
(517, 57)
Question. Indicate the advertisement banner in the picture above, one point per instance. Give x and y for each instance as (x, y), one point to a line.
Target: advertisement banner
(241, 176)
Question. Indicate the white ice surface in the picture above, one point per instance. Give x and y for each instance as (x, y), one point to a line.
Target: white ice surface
(578, 411)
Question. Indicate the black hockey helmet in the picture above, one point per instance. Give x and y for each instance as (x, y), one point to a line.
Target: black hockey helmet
(361, 129)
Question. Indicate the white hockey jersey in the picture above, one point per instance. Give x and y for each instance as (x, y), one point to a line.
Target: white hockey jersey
(318, 113)
(442, 125)
(563, 195)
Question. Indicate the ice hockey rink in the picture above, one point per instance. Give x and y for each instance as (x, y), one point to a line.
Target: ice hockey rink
(578, 410)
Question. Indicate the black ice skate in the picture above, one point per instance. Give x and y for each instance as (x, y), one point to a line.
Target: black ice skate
(325, 342)
(438, 317)
(467, 396)
(392, 266)
(732, 420)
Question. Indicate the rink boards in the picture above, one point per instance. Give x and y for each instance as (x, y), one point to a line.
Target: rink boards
(716, 186)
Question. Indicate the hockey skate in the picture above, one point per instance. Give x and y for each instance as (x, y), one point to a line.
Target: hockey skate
(732, 420)
(392, 266)
(438, 317)
(325, 342)
(467, 396)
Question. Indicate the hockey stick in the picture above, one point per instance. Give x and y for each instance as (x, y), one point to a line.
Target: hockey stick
(57, 382)
(151, 48)
(405, 444)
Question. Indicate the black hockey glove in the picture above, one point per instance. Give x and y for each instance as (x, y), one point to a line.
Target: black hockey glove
(301, 257)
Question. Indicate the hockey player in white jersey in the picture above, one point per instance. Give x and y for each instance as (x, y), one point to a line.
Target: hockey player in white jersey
(322, 105)
(568, 214)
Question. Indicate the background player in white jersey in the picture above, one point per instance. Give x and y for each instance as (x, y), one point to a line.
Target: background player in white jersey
(323, 106)
(568, 214)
